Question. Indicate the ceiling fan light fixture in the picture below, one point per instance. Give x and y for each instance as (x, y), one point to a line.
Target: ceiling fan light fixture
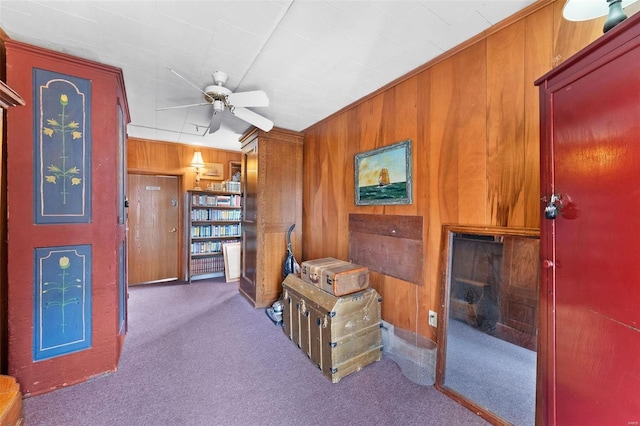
(218, 106)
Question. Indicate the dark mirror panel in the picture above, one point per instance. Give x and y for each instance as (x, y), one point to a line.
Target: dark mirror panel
(487, 341)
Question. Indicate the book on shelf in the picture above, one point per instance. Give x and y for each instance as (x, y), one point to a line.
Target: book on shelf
(209, 247)
(232, 186)
(206, 265)
(210, 214)
(213, 200)
(204, 231)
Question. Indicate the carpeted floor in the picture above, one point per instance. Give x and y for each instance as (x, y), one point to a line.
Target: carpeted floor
(495, 374)
(199, 354)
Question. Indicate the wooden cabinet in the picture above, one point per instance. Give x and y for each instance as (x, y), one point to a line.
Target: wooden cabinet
(590, 172)
(518, 302)
(213, 219)
(272, 188)
(66, 163)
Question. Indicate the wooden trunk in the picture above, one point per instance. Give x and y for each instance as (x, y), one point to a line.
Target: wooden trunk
(341, 335)
(10, 402)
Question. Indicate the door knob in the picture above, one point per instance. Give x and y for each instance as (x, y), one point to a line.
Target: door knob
(173, 230)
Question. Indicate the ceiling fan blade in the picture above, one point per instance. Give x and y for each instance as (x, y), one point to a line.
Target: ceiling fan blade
(216, 121)
(188, 82)
(252, 118)
(253, 98)
(182, 106)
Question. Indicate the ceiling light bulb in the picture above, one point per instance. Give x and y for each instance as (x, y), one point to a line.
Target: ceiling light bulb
(218, 106)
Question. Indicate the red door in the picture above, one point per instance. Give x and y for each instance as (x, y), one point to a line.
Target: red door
(593, 292)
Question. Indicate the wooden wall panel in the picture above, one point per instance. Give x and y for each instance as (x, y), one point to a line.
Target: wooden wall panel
(443, 171)
(154, 157)
(426, 294)
(538, 59)
(473, 117)
(312, 188)
(471, 74)
(443, 153)
(337, 186)
(505, 125)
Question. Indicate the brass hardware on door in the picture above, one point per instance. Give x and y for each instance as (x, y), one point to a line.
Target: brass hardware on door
(173, 230)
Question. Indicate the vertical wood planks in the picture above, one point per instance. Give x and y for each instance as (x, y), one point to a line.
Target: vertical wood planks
(505, 125)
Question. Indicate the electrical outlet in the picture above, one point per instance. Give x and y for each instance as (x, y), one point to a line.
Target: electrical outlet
(433, 319)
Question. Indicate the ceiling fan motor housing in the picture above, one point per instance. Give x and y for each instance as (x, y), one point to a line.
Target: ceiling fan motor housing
(215, 93)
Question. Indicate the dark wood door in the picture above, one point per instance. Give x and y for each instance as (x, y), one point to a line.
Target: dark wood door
(154, 214)
(249, 267)
(591, 285)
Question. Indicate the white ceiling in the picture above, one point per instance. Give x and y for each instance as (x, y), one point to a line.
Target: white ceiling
(311, 57)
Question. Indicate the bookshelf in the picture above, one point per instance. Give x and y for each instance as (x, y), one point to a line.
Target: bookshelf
(214, 219)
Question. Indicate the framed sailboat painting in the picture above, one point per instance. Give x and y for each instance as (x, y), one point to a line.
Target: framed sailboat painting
(383, 175)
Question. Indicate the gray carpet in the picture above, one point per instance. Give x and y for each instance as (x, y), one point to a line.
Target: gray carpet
(496, 374)
(199, 354)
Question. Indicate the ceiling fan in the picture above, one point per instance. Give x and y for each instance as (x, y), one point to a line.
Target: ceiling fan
(225, 102)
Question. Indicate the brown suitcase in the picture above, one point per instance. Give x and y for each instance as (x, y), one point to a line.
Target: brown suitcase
(344, 279)
(311, 270)
(335, 276)
(341, 335)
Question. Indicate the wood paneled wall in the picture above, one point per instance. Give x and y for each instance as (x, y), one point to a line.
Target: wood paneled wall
(153, 157)
(473, 117)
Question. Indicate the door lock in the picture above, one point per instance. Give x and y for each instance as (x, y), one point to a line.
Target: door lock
(560, 204)
(553, 207)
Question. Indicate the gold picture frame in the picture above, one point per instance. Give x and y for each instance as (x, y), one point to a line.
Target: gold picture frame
(213, 171)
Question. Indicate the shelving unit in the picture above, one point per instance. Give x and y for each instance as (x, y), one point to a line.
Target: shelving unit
(214, 219)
